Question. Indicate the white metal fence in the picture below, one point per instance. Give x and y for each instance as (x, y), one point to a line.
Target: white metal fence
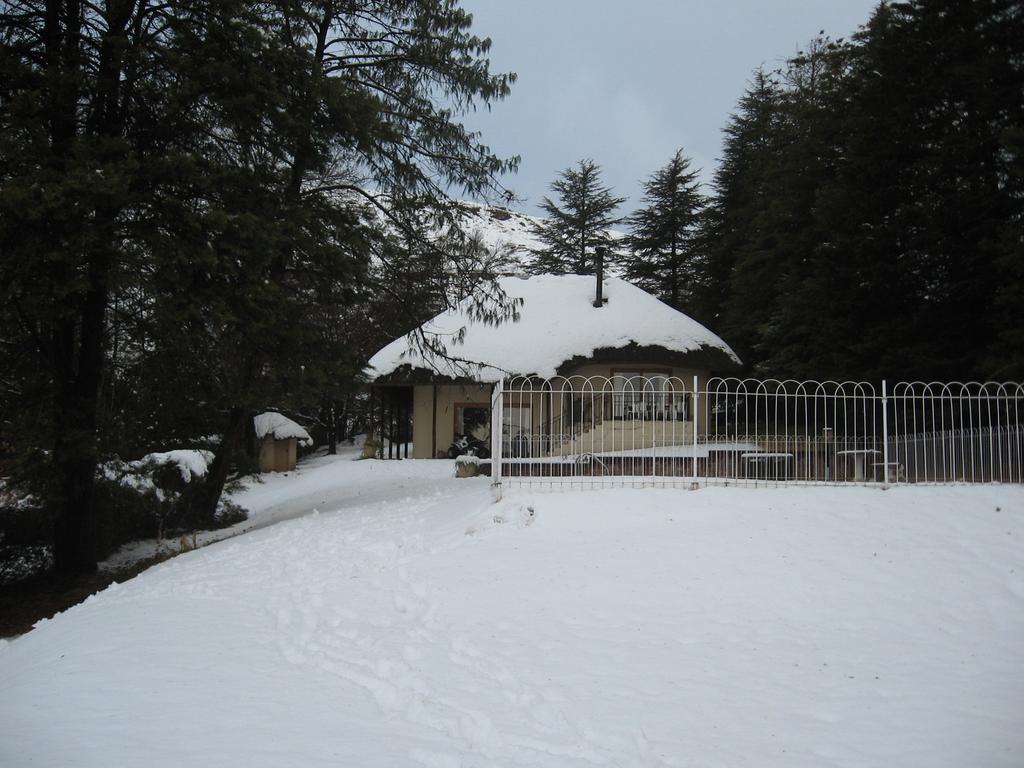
(659, 430)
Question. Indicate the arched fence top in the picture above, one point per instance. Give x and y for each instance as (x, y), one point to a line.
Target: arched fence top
(578, 383)
(790, 387)
(959, 389)
(755, 431)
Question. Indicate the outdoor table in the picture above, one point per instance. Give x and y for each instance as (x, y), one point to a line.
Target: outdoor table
(859, 456)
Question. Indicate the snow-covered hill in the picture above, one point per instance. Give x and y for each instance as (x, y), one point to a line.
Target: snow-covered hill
(501, 227)
(510, 232)
(411, 622)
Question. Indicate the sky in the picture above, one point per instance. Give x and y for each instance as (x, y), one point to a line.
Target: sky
(627, 83)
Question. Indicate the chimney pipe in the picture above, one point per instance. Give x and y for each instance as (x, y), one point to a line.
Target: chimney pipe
(599, 300)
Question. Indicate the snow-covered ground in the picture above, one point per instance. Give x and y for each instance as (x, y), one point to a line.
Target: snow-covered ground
(319, 482)
(405, 620)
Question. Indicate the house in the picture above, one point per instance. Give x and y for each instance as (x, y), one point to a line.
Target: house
(564, 339)
(277, 441)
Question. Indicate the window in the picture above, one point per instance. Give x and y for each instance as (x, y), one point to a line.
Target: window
(472, 419)
(648, 395)
(516, 427)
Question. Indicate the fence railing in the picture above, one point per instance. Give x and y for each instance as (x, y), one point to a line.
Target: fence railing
(665, 431)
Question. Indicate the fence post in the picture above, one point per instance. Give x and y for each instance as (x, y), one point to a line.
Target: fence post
(696, 414)
(885, 436)
(497, 424)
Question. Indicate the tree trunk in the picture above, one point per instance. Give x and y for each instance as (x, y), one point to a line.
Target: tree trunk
(73, 500)
(79, 322)
(675, 275)
(332, 427)
(76, 405)
(205, 509)
(303, 151)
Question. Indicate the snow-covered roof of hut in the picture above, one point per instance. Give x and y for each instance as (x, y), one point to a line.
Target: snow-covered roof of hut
(558, 322)
(280, 427)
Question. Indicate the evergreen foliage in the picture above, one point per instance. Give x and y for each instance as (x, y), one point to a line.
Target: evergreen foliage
(212, 208)
(664, 238)
(577, 224)
(186, 233)
(868, 209)
(741, 198)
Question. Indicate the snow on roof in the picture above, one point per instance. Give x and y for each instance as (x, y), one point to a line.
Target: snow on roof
(557, 323)
(280, 427)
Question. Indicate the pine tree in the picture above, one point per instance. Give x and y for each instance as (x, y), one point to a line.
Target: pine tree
(360, 110)
(868, 210)
(664, 237)
(962, 85)
(577, 224)
(920, 221)
(214, 174)
(736, 290)
(770, 270)
(810, 319)
(87, 137)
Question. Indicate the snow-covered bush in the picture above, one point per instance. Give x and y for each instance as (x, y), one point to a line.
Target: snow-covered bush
(148, 498)
(155, 496)
(370, 448)
(166, 474)
(228, 513)
(26, 530)
(18, 563)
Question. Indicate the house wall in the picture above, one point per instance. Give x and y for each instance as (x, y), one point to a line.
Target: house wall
(434, 427)
(425, 421)
(685, 375)
(627, 435)
(277, 455)
(422, 420)
(539, 405)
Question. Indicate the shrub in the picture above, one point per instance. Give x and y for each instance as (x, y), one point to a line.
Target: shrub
(26, 532)
(154, 497)
(20, 562)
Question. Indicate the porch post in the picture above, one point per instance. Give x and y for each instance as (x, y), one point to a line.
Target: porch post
(433, 421)
(372, 426)
(407, 422)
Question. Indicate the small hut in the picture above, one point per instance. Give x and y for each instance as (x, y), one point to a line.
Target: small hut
(277, 439)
